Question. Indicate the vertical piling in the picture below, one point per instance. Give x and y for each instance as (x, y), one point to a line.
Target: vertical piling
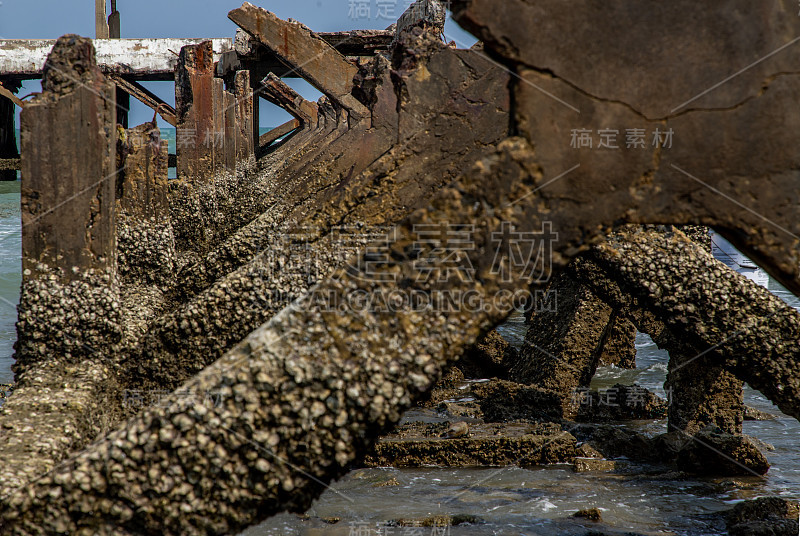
(143, 192)
(194, 87)
(217, 140)
(69, 300)
(231, 139)
(100, 22)
(145, 241)
(245, 135)
(69, 164)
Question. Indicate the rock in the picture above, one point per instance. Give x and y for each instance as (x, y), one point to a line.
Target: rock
(488, 358)
(767, 516)
(505, 401)
(714, 452)
(460, 410)
(585, 465)
(753, 414)
(616, 442)
(456, 430)
(621, 402)
(438, 521)
(762, 445)
(592, 514)
(562, 346)
(447, 388)
(585, 450)
(619, 347)
(391, 482)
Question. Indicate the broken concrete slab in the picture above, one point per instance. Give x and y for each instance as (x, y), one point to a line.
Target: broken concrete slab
(418, 445)
(429, 14)
(666, 178)
(266, 139)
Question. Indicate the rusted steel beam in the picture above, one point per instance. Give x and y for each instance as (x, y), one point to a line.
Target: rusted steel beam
(143, 59)
(194, 103)
(315, 60)
(276, 91)
(145, 96)
(278, 132)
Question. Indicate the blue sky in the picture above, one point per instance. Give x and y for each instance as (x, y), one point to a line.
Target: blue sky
(49, 19)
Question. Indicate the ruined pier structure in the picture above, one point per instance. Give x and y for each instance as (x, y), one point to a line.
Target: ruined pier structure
(195, 290)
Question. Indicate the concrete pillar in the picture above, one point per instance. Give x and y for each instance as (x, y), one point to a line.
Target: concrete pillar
(245, 118)
(562, 347)
(194, 106)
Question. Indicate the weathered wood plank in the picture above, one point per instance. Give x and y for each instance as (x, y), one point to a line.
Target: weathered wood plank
(194, 104)
(315, 60)
(153, 59)
(148, 98)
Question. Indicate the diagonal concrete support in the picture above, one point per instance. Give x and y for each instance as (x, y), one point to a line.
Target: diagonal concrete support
(731, 322)
(277, 92)
(314, 59)
(340, 375)
(242, 283)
